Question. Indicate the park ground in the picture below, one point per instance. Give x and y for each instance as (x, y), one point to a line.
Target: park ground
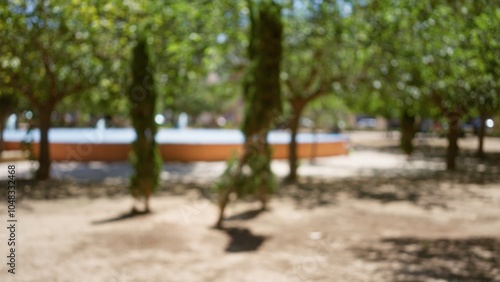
(373, 215)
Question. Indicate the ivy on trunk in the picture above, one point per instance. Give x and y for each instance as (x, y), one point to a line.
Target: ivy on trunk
(262, 93)
(408, 130)
(145, 155)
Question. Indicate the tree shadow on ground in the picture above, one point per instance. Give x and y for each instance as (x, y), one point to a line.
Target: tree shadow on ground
(418, 180)
(423, 188)
(98, 180)
(247, 215)
(115, 172)
(63, 188)
(94, 171)
(308, 194)
(414, 184)
(471, 168)
(414, 259)
(242, 240)
(125, 216)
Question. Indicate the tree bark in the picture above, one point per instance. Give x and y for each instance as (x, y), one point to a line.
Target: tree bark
(314, 143)
(2, 127)
(43, 172)
(223, 201)
(453, 134)
(297, 109)
(407, 131)
(480, 134)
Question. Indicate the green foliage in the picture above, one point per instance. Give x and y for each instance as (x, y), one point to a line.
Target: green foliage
(252, 177)
(47, 49)
(437, 58)
(427, 58)
(229, 178)
(327, 111)
(319, 49)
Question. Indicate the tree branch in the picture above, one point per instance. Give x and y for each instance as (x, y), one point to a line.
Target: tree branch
(47, 63)
(314, 71)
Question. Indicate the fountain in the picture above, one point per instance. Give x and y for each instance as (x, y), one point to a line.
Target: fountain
(101, 124)
(11, 122)
(182, 122)
(113, 144)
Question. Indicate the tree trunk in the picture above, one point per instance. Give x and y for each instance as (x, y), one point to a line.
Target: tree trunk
(43, 172)
(262, 93)
(145, 154)
(223, 200)
(292, 148)
(2, 127)
(314, 143)
(407, 131)
(266, 187)
(480, 135)
(453, 134)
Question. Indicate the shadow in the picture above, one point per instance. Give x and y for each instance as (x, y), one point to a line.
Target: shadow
(114, 172)
(66, 188)
(125, 216)
(310, 194)
(415, 182)
(105, 180)
(420, 189)
(387, 197)
(421, 181)
(387, 148)
(94, 171)
(246, 215)
(470, 168)
(414, 259)
(242, 240)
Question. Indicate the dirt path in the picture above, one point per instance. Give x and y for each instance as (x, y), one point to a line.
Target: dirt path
(370, 216)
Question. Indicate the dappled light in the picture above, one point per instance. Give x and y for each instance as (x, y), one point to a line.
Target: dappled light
(410, 259)
(256, 140)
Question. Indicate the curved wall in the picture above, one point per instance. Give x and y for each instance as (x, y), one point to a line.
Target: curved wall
(196, 145)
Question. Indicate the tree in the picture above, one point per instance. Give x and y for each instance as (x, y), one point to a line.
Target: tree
(318, 52)
(47, 54)
(395, 62)
(262, 94)
(145, 156)
(447, 56)
(429, 63)
(186, 34)
(485, 71)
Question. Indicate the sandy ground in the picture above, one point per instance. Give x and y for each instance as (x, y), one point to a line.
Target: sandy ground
(374, 215)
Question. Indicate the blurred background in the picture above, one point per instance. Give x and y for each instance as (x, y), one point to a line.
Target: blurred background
(375, 124)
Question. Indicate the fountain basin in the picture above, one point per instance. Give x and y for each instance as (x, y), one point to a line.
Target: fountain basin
(113, 144)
